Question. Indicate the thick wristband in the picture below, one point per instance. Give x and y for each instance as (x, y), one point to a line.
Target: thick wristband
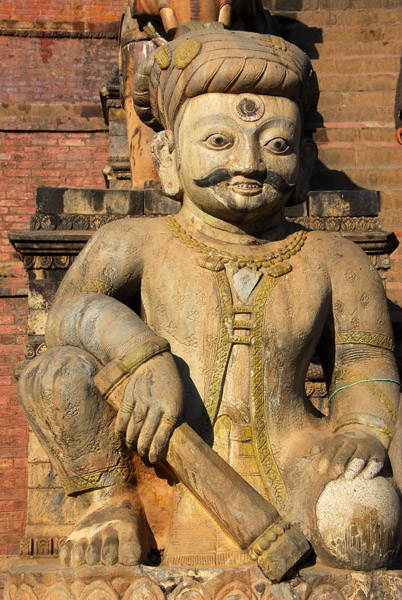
(111, 381)
(384, 429)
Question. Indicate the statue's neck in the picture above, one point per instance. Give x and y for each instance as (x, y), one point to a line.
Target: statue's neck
(272, 229)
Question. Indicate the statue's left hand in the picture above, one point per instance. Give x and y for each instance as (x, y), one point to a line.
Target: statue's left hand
(151, 407)
(351, 453)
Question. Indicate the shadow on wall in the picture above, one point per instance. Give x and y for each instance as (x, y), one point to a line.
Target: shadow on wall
(396, 319)
(249, 15)
(298, 33)
(325, 178)
(307, 39)
(398, 107)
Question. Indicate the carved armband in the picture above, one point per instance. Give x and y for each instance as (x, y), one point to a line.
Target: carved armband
(371, 338)
(352, 378)
(96, 479)
(386, 428)
(112, 380)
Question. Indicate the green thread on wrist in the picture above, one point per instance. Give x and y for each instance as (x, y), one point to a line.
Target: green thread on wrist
(344, 387)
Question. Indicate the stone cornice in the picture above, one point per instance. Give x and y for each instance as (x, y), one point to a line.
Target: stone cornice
(59, 29)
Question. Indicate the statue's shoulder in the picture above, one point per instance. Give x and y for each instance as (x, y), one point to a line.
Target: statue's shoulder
(339, 254)
(131, 232)
(333, 246)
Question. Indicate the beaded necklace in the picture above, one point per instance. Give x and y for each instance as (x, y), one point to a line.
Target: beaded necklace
(273, 261)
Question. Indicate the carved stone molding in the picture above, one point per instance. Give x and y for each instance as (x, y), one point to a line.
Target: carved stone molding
(48, 243)
(340, 223)
(41, 546)
(44, 579)
(31, 350)
(71, 222)
(46, 261)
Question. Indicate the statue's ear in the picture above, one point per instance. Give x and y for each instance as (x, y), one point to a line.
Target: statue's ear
(308, 157)
(164, 156)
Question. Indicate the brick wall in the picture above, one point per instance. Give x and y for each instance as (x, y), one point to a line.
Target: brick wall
(33, 159)
(36, 70)
(54, 57)
(13, 425)
(95, 11)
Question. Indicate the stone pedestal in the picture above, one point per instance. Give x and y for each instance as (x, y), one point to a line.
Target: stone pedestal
(43, 579)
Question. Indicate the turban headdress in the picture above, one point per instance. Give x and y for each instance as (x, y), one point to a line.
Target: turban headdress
(207, 58)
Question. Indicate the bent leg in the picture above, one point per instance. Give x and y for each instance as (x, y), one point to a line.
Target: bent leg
(68, 414)
(76, 427)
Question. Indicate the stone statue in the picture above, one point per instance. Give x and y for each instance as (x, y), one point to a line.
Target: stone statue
(200, 327)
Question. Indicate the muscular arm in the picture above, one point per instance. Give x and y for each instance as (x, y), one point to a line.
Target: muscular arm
(89, 309)
(357, 346)
(90, 312)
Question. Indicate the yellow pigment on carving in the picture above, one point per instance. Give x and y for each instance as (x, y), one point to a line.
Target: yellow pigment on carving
(92, 285)
(163, 58)
(365, 337)
(269, 470)
(271, 477)
(272, 260)
(186, 52)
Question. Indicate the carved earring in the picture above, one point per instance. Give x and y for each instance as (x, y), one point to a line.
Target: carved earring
(164, 157)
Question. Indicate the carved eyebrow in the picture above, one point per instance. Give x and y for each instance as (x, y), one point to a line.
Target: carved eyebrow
(279, 122)
(227, 120)
(211, 119)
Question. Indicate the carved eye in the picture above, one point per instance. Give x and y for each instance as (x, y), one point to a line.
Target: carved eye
(218, 141)
(277, 145)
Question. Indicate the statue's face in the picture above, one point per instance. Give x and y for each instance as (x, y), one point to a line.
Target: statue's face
(238, 155)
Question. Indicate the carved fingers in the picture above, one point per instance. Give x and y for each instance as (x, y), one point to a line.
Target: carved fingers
(151, 407)
(350, 454)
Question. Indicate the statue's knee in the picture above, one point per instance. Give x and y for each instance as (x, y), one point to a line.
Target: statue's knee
(56, 372)
(358, 523)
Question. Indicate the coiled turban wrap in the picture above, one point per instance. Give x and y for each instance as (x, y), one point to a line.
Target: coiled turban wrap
(208, 58)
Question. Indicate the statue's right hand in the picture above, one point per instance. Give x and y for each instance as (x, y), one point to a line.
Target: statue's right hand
(151, 407)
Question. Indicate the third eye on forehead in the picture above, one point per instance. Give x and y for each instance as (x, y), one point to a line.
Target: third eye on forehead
(212, 123)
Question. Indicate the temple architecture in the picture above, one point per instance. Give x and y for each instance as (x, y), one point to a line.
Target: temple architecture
(255, 556)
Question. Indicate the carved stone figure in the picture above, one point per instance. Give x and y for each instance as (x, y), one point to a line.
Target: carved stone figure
(148, 22)
(201, 327)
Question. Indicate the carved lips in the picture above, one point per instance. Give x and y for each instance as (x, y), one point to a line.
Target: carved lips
(246, 187)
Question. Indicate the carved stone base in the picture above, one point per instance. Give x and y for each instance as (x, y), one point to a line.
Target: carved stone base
(33, 579)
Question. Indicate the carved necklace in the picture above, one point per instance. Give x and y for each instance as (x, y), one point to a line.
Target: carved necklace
(274, 262)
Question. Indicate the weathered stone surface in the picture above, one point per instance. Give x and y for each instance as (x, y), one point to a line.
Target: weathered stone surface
(45, 580)
(156, 203)
(50, 200)
(343, 203)
(241, 352)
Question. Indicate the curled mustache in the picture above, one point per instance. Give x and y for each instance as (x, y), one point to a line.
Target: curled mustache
(272, 178)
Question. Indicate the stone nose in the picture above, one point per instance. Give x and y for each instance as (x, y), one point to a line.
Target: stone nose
(247, 159)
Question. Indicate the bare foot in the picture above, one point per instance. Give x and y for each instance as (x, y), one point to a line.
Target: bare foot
(111, 530)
